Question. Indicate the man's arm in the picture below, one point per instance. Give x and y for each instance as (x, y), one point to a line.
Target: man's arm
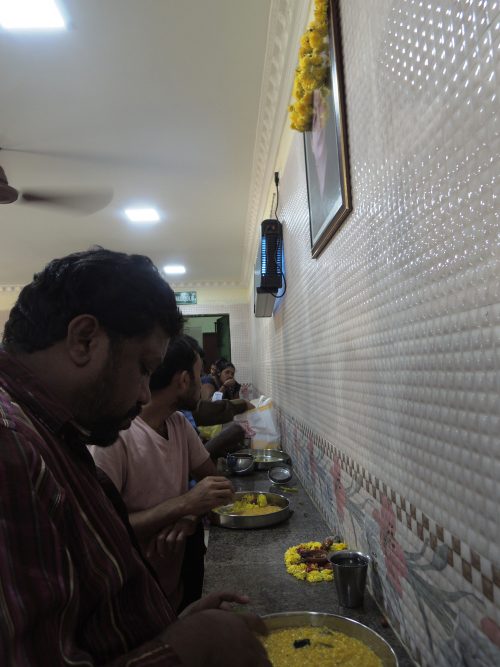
(207, 494)
(210, 413)
(172, 536)
(230, 439)
(206, 469)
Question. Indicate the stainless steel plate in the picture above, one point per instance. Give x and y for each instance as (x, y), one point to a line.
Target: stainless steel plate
(266, 458)
(261, 521)
(295, 619)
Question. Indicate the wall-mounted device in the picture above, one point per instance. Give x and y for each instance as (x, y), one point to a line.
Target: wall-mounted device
(268, 268)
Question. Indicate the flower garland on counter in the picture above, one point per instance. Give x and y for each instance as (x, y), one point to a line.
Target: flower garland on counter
(312, 70)
(309, 561)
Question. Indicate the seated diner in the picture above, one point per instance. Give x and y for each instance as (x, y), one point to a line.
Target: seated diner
(222, 381)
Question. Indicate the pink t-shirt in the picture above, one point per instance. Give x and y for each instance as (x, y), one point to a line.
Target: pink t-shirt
(147, 469)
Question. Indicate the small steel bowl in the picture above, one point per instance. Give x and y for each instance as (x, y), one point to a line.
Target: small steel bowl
(281, 473)
(240, 464)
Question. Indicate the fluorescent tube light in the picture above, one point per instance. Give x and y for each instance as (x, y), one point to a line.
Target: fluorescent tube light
(171, 269)
(142, 215)
(30, 15)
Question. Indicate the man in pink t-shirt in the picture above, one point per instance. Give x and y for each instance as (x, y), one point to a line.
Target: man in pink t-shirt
(151, 464)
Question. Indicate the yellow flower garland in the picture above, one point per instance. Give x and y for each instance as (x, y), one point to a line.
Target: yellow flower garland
(298, 569)
(312, 69)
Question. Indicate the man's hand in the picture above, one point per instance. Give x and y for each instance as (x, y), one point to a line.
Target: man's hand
(210, 492)
(215, 638)
(221, 600)
(170, 539)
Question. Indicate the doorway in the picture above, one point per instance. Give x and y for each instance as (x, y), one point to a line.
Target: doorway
(213, 334)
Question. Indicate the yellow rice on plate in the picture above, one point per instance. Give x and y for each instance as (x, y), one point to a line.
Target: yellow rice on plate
(317, 647)
(250, 504)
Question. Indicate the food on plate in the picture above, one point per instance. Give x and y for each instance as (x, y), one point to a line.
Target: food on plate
(250, 504)
(321, 647)
(309, 561)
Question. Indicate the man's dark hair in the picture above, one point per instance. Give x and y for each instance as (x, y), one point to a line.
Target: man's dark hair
(125, 293)
(195, 345)
(181, 356)
(223, 363)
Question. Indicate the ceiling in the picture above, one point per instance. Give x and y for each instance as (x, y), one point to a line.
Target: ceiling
(169, 103)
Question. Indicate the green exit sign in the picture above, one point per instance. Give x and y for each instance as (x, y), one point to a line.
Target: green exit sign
(185, 298)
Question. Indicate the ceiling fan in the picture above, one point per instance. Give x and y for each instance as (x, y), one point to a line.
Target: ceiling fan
(84, 202)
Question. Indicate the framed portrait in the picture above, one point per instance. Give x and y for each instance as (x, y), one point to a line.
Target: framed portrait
(326, 153)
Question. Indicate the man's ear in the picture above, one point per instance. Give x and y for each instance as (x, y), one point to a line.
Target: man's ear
(184, 380)
(84, 338)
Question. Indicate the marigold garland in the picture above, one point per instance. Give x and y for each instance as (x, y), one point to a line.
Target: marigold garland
(311, 72)
(305, 571)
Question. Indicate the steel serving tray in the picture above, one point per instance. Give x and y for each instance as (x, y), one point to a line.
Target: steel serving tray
(266, 458)
(363, 633)
(257, 521)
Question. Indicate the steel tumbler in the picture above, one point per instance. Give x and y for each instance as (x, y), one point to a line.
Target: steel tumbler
(349, 574)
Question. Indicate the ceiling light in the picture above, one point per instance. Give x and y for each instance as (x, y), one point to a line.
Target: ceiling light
(30, 15)
(142, 215)
(171, 269)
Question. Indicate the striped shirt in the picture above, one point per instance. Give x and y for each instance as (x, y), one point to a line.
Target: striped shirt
(73, 590)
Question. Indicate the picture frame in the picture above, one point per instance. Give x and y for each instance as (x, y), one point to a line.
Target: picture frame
(326, 150)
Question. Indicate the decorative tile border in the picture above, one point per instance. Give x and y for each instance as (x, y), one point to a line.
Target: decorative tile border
(464, 559)
(458, 587)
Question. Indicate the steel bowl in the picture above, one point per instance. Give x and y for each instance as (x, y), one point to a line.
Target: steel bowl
(266, 458)
(280, 473)
(295, 619)
(240, 464)
(228, 520)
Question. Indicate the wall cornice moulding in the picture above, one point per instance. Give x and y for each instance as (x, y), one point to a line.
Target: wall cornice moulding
(209, 283)
(287, 20)
(11, 288)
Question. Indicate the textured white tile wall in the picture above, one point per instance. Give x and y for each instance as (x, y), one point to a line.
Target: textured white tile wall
(388, 346)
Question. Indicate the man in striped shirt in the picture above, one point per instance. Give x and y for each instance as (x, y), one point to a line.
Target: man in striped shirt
(78, 351)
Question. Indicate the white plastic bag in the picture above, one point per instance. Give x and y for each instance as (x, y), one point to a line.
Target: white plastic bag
(261, 424)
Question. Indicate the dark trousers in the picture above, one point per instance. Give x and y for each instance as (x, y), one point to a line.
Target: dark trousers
(193, 567)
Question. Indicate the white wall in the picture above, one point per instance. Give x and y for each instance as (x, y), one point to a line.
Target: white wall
(384, 357)
(197, 326)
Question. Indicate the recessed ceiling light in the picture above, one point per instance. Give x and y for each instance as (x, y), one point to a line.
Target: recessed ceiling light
(171, 269)
(30, 15)
(142, 215)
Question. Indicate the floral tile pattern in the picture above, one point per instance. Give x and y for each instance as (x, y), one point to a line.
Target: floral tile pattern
(422, 575)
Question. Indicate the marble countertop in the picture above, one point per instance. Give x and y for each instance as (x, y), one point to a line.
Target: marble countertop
(251, 562)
